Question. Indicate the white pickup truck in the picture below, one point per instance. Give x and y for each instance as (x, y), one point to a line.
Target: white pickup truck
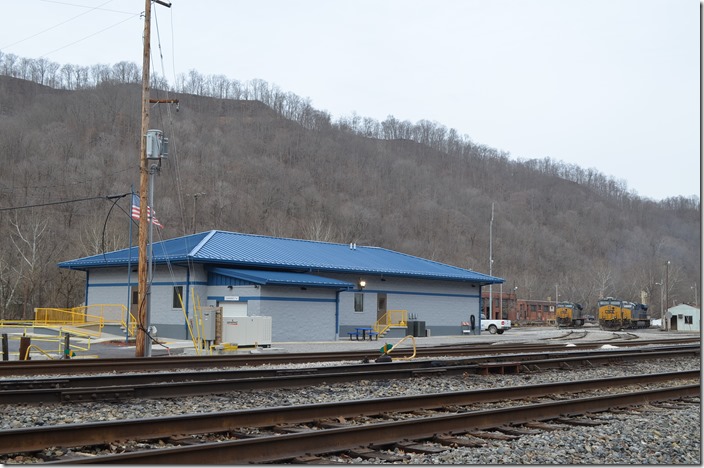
(494, 326)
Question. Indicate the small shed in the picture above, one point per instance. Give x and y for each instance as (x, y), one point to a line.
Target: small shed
(683, 317)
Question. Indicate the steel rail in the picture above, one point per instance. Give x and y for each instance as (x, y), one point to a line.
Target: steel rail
(74, 435)
(180, 361)
(329, 375)
(202, 375)
(75, 366)
(283, 447)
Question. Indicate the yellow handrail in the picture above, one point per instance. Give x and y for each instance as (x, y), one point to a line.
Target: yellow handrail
(188, 322)
(132, 326)
(392, 318)
(26, 354)
(84, 316)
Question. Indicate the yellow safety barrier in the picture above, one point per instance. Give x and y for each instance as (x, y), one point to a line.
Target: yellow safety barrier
(59, 340)
(79, 319)
(388, 351)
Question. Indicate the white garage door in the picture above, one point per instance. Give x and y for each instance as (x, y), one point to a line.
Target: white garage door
(234, 309)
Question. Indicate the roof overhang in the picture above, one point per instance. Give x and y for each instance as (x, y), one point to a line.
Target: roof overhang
(281, 278)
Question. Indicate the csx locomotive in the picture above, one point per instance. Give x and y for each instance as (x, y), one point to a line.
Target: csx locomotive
(568, 314)
(615, 314)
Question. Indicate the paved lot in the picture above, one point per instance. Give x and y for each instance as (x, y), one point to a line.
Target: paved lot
(114, 346)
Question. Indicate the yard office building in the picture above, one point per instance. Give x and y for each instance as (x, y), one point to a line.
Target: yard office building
(313, 291)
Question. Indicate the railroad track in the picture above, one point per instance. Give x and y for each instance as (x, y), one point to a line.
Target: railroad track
(76, 366)
(360, 427)
(129, 386)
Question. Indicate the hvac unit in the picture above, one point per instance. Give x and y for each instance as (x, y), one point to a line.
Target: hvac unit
(246, 331)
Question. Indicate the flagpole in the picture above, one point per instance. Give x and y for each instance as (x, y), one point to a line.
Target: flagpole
(129, 270)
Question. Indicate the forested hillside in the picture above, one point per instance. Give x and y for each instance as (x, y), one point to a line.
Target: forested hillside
(250, 158)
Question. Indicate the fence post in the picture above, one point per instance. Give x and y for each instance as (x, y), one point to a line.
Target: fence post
(25, 342)
(67, 347)
(5, 347)
(218, 325)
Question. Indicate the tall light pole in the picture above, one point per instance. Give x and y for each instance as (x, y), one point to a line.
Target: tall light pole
(501, 300)
(195, 197)
(667, 294)
(491, 259)
(662, 313)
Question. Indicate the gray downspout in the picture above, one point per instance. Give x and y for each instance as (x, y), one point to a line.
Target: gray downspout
(186, 304)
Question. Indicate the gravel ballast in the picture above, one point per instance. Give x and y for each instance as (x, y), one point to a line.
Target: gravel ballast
(653, 435)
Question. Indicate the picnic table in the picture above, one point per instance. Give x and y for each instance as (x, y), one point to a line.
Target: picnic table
(363, 332)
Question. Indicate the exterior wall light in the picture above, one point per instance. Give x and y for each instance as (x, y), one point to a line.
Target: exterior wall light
(362, 284)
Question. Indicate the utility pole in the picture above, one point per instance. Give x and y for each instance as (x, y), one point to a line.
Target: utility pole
(143, 181)
(142, 316)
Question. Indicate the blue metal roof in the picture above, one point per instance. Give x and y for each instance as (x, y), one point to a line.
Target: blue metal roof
(288, 278)
(224, 249)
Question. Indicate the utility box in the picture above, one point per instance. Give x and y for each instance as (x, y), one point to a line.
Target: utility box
(209, 324)
(415, 328)
(246, 331)
(157, 144)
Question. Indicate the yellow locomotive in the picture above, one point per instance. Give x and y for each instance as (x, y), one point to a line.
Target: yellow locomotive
(615, 314)
(568, 314)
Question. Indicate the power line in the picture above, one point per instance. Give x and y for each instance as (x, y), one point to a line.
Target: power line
(89, 36)
(71, 184)
(103, 197)
(63, 22)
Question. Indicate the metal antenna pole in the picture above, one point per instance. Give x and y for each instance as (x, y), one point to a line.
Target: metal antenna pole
(147, 336)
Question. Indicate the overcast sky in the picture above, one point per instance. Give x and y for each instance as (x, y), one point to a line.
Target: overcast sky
(607, 84)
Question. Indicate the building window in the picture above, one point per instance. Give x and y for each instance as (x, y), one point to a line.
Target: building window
(359, 302)
(688, 320)
(178, 293)
(532, 307)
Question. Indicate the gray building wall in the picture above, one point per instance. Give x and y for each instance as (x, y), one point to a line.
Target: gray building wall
(442, 305)
(110, 286)
(298, 314)
(307, 315)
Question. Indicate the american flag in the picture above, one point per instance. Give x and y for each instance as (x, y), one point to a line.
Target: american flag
(136, 210)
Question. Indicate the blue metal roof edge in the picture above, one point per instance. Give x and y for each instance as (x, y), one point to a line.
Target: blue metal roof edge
(453, 273)
(205, 240)
(480, 277)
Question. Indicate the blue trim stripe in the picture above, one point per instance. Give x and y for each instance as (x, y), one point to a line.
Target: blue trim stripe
(162, 283)
(270, 298)
(409, 293)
